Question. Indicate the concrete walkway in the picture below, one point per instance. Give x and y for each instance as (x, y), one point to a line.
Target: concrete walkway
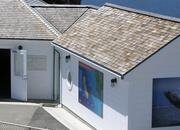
(29, 114)
(67, 119)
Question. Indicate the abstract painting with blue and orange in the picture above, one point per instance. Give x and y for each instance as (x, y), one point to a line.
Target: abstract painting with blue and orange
(91, 88)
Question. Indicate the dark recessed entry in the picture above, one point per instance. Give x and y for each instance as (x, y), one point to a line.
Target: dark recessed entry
(5, 73)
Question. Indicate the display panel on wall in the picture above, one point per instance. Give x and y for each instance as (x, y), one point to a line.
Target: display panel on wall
(91, 88)
(166, 102)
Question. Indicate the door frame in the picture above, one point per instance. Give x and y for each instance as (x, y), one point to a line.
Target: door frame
(59, 101)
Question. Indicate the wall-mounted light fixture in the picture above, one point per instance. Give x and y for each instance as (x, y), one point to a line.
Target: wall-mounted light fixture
(113, 82)
(20, 47)
(68, 57)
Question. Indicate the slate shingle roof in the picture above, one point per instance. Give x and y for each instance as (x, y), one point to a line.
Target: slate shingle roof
(18, 21)
(118, 39)
(62, 16)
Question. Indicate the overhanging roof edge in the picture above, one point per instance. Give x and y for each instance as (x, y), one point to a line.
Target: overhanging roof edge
(83, 57)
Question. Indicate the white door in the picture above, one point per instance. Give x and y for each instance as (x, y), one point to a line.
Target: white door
(19, 75)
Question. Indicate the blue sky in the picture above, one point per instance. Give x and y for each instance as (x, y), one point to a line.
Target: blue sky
(165, 7)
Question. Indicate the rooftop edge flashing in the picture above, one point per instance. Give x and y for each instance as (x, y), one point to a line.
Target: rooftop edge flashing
(169, 18)
(65, 6)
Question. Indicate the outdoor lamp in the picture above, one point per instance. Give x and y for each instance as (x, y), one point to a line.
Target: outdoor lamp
(68, 57)
(113, 82)
(20, 47)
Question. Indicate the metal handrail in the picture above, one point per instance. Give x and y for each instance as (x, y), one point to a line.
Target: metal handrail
(23, 126)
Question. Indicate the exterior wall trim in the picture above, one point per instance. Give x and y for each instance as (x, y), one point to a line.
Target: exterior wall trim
(59, 66)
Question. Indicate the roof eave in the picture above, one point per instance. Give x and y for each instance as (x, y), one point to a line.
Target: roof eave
(87, 59)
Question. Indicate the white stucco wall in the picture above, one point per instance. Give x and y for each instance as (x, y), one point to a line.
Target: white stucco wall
(163, 64)
(39, 83)
(115, 99)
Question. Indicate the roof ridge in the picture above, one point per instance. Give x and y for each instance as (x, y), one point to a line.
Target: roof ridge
(65, 6)
(160, 16)
(42, 19)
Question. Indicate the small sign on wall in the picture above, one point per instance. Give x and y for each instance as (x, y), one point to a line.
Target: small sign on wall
(37, 62)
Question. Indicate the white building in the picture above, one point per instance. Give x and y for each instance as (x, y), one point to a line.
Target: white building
(22, 28)
(114, 67)
(111, 67)
(28, 73)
